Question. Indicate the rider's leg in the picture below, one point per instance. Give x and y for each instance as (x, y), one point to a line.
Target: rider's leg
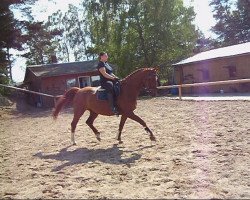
(111, 102)
(109, 87)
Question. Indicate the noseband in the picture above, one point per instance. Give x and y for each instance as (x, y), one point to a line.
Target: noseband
(147, 82)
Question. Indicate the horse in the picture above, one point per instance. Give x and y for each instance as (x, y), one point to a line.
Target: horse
(86, 99)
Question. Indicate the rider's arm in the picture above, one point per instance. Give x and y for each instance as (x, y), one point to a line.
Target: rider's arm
(106, 75)
(115, 76)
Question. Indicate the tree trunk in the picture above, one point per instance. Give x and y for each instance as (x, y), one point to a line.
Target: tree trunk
(9, 68)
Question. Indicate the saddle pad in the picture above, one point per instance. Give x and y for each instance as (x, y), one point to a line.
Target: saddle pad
(102, 94)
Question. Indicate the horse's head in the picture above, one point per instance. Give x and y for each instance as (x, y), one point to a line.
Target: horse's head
(150, 81)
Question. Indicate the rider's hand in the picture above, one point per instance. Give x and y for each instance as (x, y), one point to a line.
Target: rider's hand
(116, 78)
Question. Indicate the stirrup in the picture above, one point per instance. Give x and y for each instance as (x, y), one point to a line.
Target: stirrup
(115, 111)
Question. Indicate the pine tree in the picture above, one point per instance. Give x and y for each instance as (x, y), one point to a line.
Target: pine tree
(233, 21)
(9, 33)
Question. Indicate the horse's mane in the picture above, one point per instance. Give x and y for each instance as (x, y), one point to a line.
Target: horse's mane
(135, 72)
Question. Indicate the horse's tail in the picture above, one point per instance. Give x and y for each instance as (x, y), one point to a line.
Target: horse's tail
(63, 100)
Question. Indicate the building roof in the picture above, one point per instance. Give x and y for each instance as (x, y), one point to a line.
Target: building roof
(234, 50)
(58, 69)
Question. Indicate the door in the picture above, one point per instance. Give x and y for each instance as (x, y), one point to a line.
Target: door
(84, 81)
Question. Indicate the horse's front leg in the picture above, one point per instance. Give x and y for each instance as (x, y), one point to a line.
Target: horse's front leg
(122, 122)
(140, 121)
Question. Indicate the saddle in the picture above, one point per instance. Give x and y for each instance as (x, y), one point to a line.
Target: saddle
(102, 94)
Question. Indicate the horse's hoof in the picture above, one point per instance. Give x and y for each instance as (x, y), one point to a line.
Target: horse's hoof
(97, 135)
(152, 138)
(98, 138)
(73, 143)
(120, 142)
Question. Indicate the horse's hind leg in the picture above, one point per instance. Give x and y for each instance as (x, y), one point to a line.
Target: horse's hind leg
(90, 122)
(77, 114)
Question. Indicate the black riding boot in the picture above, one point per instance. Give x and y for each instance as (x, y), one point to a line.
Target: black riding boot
(111, 104)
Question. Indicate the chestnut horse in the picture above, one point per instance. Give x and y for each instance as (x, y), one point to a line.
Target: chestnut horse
(86, 99)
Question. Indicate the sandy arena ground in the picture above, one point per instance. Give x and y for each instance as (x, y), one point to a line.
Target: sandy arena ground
(202, 151)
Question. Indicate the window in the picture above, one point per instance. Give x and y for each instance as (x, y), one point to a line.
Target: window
(84, 81)
(189, 78)
(95, 81)
(232, 71)
(205, 74)
(71, 83)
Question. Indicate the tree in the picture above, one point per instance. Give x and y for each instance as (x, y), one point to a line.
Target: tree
(39, 43)
(74, 36)
(233, 21)
(8, 33)
(134, 33)
(141, 33)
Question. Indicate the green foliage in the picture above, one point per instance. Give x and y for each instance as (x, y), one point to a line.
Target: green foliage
(134, 33)
(141, 33)
(74, 36)
(3, 71)
(10, 36)
(233, 21)
(39, 42)
(8, 33)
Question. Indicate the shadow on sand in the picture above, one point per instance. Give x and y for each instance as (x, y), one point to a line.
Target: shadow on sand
(111, 155)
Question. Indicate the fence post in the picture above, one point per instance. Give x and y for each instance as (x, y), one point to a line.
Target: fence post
(180, 94)
(54, 101)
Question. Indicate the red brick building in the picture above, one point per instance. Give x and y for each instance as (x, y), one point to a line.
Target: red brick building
(55, 79)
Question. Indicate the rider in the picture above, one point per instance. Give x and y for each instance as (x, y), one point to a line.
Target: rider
(107, 79)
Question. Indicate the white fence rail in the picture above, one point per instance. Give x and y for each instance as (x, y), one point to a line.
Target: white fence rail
(203, 84)
(29, 91)
(160, 87)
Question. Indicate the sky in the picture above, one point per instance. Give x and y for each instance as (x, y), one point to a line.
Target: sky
(43, 8)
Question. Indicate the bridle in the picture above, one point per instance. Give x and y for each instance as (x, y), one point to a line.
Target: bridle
(149, 83)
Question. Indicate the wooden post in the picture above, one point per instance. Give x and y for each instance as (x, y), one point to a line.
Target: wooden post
(180, 92)
(181, 75)
(54, 102)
